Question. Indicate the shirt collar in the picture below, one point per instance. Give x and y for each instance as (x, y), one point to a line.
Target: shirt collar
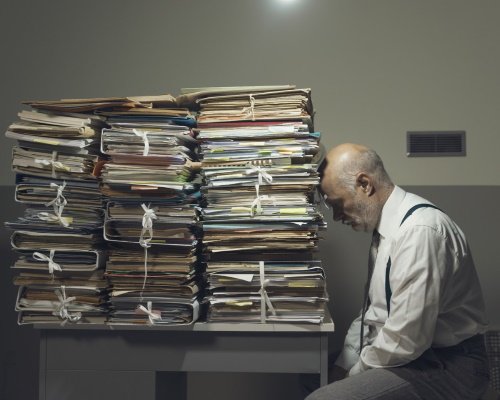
(390, 218)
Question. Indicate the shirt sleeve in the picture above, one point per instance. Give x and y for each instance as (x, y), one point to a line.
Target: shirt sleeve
(419, 262)
(350, 352)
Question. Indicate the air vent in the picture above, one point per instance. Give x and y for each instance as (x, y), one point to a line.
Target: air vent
(435, 143)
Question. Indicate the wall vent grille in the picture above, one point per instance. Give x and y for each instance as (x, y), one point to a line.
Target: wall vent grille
(435, 143)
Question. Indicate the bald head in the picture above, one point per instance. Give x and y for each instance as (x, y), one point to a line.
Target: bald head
(346, 161)
(355, 185)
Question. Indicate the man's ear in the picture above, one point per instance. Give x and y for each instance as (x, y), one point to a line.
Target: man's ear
(364, 183)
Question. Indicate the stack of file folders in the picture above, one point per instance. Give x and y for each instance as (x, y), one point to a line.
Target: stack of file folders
(60, 260)
(152, 215)
(260, 218)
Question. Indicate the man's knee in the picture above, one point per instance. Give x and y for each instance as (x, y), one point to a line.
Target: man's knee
(329, 392)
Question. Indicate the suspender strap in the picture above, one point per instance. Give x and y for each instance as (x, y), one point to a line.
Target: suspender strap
(388, 291)
(416, 207)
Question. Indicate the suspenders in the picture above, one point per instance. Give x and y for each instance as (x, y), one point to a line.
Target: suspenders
(388, 291)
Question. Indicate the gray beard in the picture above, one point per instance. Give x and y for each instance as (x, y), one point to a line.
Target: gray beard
(369, 214)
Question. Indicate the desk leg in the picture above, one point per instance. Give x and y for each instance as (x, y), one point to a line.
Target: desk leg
(42, 367)
(323, 367)
(171, 385)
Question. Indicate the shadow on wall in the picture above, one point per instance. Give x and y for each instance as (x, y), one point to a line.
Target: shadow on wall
(243, 386)
(18, 345)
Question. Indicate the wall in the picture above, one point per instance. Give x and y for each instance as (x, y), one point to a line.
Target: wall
(376, 69)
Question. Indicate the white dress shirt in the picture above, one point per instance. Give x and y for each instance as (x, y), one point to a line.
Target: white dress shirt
(436, 296)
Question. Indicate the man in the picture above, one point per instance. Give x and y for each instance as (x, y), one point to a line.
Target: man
(419, 333)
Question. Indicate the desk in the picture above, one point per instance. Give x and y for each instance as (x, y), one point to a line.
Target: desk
(151, 363)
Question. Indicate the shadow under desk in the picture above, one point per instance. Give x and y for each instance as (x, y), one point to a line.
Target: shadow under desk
(151, 363)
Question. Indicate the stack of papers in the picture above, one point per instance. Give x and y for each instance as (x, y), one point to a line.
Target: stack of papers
(142, 210)
(190, 97)
(151, 156)
(294, 291)
(103, 104)
(56, 128)
(58, 240)
(259, 158)
(76, 292)
(282, 105)
(159, 290)
(151, 217)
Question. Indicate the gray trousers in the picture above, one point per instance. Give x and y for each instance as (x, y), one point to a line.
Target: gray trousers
(454, 373)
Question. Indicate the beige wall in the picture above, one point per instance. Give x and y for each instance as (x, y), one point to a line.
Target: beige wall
(376, 68)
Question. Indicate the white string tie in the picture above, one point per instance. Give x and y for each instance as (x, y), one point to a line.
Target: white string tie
(153, 316)
(250, 110)
(144, 136)
(53, 162)
(59, 202)
(252, 106)
(62, 308)
(53, 266)
(263, 175)
(147, 228)
(48, 217)
(256, 207)
(264, 297)
(147, 220)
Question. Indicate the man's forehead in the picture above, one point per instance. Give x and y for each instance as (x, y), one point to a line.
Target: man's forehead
(329, 181)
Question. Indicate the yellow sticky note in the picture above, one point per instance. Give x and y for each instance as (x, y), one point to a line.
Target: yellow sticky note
(241, 209)
(46, 141)
(294, 210)
(240, 303)
(296, 284)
